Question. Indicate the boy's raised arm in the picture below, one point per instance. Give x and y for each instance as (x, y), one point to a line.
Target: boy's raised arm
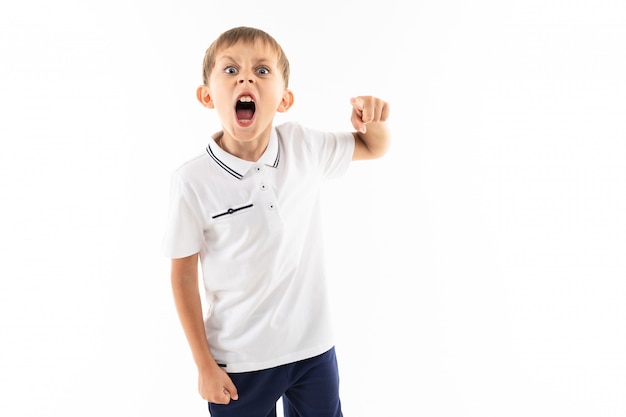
(369, 114)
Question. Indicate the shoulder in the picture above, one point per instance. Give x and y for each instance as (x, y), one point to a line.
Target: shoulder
(290, 130)
(192, 168)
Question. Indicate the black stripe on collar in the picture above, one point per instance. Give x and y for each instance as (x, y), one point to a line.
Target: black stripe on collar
(223, 165)
(277, 156)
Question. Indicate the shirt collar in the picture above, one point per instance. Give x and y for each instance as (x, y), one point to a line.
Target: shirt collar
(238, 167)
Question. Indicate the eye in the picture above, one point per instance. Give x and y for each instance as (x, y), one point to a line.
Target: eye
(230, 70)
(263, 70)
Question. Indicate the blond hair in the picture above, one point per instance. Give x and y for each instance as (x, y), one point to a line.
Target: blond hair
(247, 35)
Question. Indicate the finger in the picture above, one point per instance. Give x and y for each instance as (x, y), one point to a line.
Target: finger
(384, 114)
(357, 103)
(368, 113)
(231, 391)
(369, 108)
(364, 108)
(357, 114)
(357, 122)
(221, 398)
(225, 397)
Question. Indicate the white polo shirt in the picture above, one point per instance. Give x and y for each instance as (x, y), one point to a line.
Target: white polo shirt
(257, 228)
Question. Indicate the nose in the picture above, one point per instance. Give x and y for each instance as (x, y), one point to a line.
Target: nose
(245, 78)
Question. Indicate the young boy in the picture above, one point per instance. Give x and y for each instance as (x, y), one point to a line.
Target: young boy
(248, 210)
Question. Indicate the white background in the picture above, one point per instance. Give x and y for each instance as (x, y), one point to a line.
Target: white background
(477, 270)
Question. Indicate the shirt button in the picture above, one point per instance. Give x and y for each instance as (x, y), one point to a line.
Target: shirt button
(258, 168)
(271, 206)
(263, 187)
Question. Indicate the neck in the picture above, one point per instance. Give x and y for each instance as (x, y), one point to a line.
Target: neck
(248, 151)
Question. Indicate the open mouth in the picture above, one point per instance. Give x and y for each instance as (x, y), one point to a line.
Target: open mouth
(245, 109)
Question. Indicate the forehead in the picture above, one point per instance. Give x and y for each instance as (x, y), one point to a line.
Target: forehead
(257, 50)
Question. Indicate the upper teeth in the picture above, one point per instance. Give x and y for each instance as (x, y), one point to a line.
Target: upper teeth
(245, 99)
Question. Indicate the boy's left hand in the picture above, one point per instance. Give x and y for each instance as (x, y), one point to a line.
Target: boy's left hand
(368, 109)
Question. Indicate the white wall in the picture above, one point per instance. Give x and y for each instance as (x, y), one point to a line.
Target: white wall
(478, 269)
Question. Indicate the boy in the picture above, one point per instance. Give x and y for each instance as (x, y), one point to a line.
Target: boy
(248, 210)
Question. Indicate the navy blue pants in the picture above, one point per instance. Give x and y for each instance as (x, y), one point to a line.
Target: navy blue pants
(309, 388)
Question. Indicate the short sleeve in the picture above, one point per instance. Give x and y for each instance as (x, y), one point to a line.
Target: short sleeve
(332, 150)
(184, 228)
(336, 153)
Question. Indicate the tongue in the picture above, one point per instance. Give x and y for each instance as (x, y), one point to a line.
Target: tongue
(244, 114)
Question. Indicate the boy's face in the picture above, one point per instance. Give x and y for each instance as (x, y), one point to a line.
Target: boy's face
(246, 88)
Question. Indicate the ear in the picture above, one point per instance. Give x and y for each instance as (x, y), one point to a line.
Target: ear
(286, 102)
(204, 96)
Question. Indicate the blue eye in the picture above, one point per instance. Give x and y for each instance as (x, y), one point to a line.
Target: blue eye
(230, 70)
(263, 71)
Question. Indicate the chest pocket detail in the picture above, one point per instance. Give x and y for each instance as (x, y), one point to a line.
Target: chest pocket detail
(232, 211)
